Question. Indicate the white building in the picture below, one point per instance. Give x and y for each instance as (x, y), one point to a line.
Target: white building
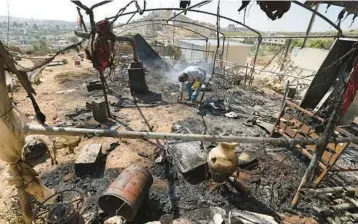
(194, 50)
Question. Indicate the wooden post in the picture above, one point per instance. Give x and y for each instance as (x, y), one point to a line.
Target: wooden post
(23, 196)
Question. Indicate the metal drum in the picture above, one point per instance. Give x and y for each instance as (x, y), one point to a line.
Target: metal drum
(126, 193)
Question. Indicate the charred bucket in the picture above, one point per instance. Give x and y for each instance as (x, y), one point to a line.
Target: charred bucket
(126, 193)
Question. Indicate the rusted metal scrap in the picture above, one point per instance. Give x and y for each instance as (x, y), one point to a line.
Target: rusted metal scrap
(349, 7)
(126, 193)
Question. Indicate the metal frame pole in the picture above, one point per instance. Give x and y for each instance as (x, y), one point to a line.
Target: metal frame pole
(48, 130)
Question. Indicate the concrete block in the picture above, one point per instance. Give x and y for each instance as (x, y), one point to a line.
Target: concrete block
(99, 111)
(96, 85)
(88, 159)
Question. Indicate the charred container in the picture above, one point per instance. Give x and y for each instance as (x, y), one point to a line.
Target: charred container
(126, 193)
(137, 77)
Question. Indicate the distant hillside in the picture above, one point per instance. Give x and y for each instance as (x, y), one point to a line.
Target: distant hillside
(38, 21)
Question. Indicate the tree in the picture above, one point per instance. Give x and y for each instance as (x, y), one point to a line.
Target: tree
(73, 39)
(40, 46)
(43, 45)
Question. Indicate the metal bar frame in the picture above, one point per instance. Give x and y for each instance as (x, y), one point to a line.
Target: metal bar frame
(179, 21)
(48, 130)
(198, 11)
(164, 24)
(294, 37)
(320, 15)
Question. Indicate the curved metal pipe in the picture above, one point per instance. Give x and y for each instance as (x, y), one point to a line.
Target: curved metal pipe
(213, 14)
(186, 22)
(164, 24)
(197, 11)
(129, 40)
(320, 15)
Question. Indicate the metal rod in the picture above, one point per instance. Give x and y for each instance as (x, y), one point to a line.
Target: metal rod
(130, 40)
(288, 43)
(48, 130)
(175, 21)
(284, 95)
(259, 39)
(342, 207)
(163, 20)
(81, 19)
(185, 48)
(131, 18)
(191, 7)
(310, 25)
(328, 190)
(293, 37)
(320, 15)
(103, 81)
(351, 200)
(199, 11)
(164, 24)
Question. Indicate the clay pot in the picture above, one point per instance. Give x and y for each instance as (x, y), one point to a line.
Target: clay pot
(222, 161)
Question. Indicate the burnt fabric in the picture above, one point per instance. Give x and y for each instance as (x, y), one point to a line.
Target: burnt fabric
(352, 88)
(184, 4)
(103, 46)
(273, 9)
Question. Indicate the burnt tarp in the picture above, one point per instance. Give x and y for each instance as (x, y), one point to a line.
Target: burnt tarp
(148, 56)
(327, 74)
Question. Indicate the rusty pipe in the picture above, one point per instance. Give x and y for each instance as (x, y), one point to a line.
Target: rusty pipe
(342, 207)
(48, 130)
(129, 40)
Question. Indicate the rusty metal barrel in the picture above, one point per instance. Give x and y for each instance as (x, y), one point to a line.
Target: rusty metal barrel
(125, 195)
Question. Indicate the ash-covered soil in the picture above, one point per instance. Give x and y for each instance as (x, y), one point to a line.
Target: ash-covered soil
(273, 178)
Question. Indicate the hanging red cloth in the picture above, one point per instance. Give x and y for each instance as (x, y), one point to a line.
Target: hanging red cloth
(103, 45)
(352, 88)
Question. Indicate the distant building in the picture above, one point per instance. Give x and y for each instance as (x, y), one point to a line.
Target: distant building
(274, 41)
(233, 28)
(194, 50)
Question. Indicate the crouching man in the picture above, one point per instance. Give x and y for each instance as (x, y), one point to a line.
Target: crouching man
(191, 78)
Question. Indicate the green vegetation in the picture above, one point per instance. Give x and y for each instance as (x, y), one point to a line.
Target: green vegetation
(172, 51)
(73, 39)
(314, 43)
(238, 34)
(41, 47)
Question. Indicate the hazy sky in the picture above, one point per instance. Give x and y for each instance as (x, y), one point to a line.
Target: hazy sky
(294, 20)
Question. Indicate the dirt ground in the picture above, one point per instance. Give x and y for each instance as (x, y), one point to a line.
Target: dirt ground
(62, 94)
